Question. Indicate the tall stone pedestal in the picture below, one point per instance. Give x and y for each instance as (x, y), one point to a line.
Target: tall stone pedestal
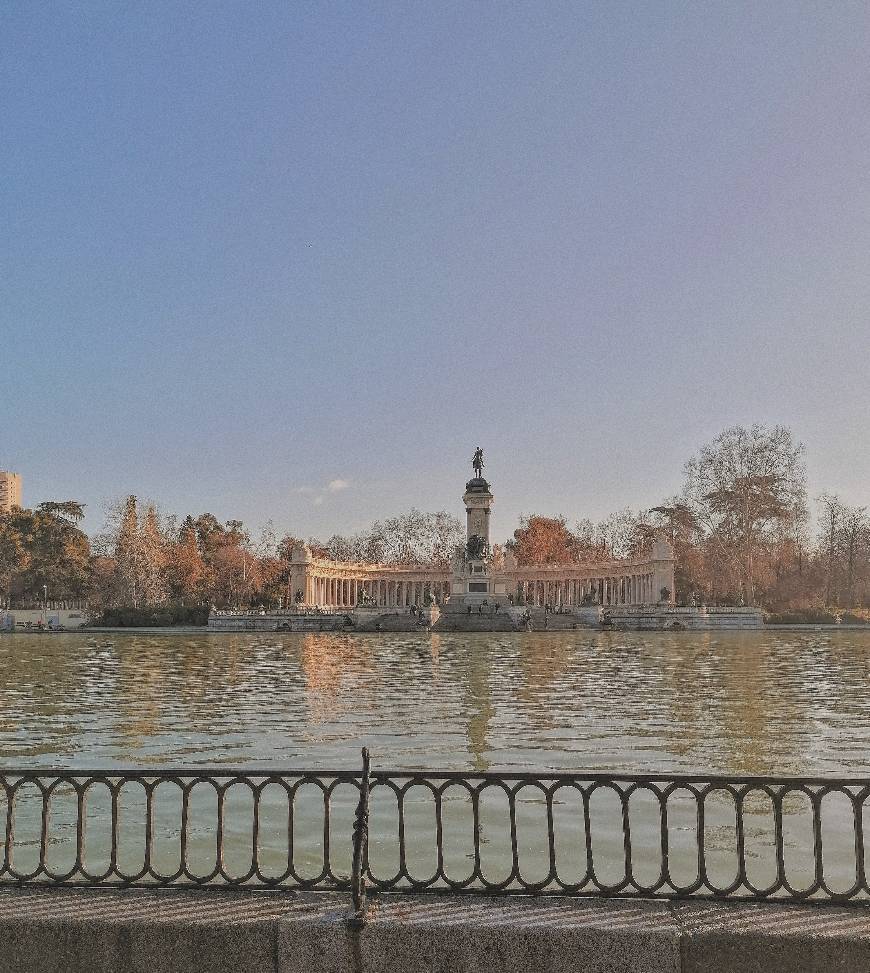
(475, 589)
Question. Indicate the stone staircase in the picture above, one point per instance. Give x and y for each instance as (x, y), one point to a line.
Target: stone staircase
(402, 621)
(501, 622)
(552, 622)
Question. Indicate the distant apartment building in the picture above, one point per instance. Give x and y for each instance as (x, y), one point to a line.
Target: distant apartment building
(10, 491)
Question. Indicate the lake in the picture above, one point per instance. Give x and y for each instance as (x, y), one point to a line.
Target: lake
(734, 703)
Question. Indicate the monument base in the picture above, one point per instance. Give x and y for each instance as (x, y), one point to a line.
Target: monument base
(472, 602)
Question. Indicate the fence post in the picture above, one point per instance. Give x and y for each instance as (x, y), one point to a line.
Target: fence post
(361, 842)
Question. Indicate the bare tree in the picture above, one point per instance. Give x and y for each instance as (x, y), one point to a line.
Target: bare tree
(741, 488)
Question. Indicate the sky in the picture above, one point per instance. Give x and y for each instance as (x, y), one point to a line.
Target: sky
(295, 261)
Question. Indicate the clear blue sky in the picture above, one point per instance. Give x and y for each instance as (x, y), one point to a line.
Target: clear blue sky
(250, 249)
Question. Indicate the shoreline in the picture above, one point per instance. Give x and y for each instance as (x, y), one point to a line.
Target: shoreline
(205, 630)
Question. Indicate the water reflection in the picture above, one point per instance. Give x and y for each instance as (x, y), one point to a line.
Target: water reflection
(735, 703)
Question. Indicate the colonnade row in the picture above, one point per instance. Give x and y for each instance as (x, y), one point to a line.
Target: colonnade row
(384, 593)
(629, 589)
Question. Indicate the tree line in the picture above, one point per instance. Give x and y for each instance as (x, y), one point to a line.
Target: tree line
(741, 528)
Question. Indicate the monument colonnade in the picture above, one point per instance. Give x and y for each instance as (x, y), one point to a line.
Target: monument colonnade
(562, 589)
(323, 583)
(332, 584)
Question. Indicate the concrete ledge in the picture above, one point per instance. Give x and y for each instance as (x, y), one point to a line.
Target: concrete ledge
(766, 938)
(102, 931)
(141, 931)
(465, 934)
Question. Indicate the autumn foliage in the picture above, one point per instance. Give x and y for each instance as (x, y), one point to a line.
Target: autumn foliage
(740, 526)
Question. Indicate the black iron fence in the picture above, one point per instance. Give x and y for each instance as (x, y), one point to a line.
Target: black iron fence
(664, 836)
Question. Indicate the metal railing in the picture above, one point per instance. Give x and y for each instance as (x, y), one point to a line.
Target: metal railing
(650, 835)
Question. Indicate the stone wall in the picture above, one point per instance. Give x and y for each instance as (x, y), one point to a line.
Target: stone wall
(139, 931)
(17, 619)
(508, 619)
(665, 618)
(277, 622)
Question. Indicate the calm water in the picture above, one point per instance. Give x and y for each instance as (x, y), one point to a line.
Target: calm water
(794, 702)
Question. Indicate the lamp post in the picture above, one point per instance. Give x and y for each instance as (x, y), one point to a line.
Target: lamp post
(44, 602)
